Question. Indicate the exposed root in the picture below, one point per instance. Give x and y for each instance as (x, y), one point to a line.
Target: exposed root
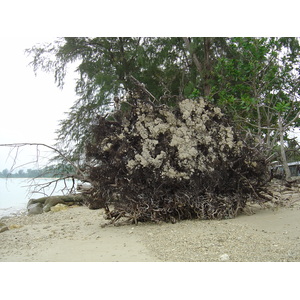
(162, 164)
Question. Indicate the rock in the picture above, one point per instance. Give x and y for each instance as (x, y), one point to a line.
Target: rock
(224, 257)
(59, 207)
(34, 209)
(3, 227)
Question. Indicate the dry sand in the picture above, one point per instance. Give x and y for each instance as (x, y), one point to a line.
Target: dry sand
(76, 235)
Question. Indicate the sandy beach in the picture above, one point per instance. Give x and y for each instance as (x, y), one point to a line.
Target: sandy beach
(77, 235)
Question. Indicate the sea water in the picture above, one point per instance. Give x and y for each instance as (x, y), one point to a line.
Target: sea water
(16, 192)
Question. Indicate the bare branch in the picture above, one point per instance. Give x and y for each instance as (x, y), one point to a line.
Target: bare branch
(80, 175)
(142, 87)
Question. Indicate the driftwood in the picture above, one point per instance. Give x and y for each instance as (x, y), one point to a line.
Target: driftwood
(45, 203)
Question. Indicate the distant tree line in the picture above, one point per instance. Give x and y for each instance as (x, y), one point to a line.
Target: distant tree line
(53, 171)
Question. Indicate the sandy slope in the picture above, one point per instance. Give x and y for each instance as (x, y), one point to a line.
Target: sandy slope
(76, 234)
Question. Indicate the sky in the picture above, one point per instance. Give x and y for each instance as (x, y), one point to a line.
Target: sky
(30, 106)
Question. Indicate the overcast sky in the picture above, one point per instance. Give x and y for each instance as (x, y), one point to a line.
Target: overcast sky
(31, 106)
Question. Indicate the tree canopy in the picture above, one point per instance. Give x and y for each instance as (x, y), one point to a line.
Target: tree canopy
(255, 80)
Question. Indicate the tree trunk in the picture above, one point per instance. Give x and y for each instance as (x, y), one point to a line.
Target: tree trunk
(207, 66)
(204, 65)
(282, 150)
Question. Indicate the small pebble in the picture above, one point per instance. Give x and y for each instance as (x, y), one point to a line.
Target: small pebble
(224, 257)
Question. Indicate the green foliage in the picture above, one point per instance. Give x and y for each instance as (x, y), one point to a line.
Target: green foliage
(195, 94)
(254, 80)
(258, 82)
(282, 106)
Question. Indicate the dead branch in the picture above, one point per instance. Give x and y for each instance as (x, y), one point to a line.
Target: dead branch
(79, 173)
(142, 87)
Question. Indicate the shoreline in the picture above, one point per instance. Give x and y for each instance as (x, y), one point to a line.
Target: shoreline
(14, 213)
(76, 234)
(16, 193)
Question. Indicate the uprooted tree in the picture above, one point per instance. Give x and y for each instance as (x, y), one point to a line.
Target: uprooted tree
(193, 163)
(156, 163)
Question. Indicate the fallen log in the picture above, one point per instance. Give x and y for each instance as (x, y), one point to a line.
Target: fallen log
(44, 204)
